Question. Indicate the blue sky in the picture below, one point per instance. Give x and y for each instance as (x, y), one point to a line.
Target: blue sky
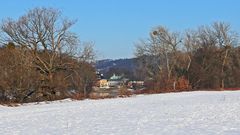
(115, 25)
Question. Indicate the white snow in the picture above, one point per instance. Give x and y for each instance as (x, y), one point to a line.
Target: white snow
(187, 113)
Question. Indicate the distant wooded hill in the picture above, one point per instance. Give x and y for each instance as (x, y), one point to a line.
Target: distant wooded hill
(126, 67)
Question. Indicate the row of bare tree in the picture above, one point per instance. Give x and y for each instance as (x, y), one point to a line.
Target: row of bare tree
(206, 58)
(40, 58)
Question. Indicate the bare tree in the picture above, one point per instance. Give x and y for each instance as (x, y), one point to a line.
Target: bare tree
(211, 45)
(162, 48)
(166, 44)
(16, 78)
(191, 44)
(46, 38)
(87, 52)
(225, 41)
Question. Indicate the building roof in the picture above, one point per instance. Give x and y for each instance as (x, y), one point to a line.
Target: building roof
(115, 77)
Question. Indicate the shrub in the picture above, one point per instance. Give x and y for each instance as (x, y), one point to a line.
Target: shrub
(124, 92)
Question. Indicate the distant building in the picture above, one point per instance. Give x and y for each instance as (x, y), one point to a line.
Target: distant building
(135, 84)
(115, 81)
(100, 80)
(103, 83)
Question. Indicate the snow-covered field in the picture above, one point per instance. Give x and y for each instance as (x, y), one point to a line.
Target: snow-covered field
(187, 113)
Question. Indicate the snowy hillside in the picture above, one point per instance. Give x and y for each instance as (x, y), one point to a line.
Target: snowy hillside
(188, 113)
